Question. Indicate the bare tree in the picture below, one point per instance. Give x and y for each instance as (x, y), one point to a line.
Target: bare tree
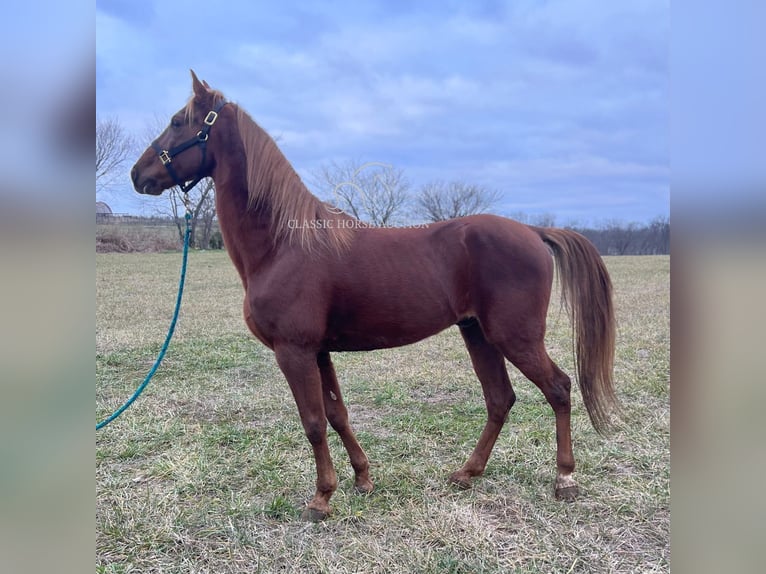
(519, 216)
(374, 192)
(545, 219)
(201, 200)
(620, 237)
(658, 236)
(438, 200)
(206, 216)
(114, 146)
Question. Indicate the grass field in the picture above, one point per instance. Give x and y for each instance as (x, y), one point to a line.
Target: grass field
(209, 470)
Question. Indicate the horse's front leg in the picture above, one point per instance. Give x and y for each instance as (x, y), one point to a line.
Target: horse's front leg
(302, 373)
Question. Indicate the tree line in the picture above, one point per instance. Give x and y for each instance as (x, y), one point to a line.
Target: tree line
(618, 238)
(614, 237)
(377, 193)
(381, 195)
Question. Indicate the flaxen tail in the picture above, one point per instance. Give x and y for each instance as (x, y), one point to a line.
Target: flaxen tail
(586, 291)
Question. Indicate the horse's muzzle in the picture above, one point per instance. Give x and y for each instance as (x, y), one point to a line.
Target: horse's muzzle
(147, 186)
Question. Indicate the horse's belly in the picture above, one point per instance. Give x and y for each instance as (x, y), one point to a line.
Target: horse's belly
(372, 328)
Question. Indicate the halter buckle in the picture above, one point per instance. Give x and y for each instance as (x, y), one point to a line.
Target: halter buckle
(165, 157)
(210, 118)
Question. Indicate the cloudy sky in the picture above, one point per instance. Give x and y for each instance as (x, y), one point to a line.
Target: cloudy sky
(561, 106)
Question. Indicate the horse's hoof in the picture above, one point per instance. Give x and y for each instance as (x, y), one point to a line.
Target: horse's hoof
(365, 487)
(313, 515)
(462, 481)
(567, 493)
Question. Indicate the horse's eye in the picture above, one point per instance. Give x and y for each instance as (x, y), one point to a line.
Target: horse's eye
(175, 122)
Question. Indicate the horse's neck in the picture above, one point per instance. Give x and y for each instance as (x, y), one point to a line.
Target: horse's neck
(246, 232)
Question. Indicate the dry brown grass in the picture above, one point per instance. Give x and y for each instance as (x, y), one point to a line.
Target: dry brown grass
(207, 472)
(117, 238)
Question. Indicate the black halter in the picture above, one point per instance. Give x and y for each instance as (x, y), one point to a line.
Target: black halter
(166, 156)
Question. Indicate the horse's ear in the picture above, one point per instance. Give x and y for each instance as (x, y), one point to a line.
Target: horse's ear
(200, 90)
(204, 83)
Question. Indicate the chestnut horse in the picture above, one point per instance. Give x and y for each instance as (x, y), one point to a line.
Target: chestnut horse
(317, 280)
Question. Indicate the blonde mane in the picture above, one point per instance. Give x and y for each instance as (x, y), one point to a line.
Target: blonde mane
(297, 216)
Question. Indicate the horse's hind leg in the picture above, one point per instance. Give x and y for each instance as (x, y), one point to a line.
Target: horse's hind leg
(337, 415)
(489, 365)
(533, 361)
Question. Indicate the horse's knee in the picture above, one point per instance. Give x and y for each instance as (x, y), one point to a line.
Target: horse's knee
(316, 431)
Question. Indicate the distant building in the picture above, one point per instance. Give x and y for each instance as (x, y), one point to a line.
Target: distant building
(103, 211)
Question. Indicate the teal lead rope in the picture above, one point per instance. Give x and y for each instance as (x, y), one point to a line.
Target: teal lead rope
(172, 328)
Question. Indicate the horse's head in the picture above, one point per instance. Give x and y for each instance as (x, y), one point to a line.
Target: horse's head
(180, 155)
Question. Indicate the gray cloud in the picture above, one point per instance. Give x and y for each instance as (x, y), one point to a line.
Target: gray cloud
(561, 100)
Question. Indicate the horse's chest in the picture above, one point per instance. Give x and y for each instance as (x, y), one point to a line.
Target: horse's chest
(259, 330)
(284, 314)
